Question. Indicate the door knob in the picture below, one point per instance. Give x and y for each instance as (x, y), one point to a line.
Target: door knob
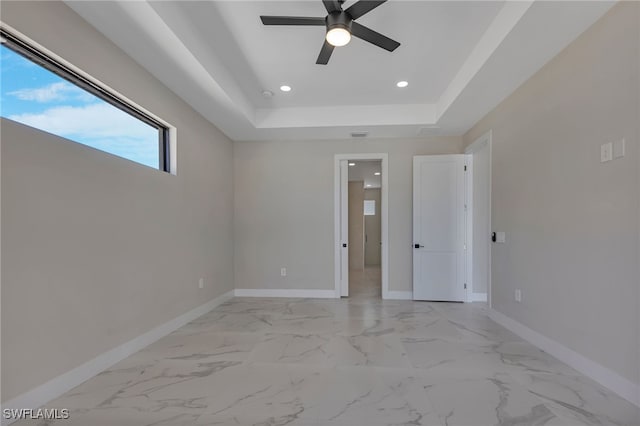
(417, 246)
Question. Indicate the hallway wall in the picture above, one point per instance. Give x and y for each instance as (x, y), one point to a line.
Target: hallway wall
(356, 225)
(372, 230)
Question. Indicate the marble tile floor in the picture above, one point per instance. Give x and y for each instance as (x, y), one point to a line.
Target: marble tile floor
(360, 361)
(365, 283)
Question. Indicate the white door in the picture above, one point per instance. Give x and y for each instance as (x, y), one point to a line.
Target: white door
(344, 228)
(438, 228)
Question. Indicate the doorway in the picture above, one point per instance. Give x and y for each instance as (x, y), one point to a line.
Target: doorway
(365, 177)
(479, 220)
(361, 225)
(452, 225)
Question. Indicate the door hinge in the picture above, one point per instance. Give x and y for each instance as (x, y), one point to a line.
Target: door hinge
(465, 168)
(465, 286)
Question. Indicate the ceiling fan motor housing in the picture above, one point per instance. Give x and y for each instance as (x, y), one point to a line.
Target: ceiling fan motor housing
(339, 20)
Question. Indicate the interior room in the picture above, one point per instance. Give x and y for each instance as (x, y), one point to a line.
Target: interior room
(319, 213)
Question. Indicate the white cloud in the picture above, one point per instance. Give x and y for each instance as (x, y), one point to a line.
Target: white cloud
(92, 121)
(59, 91)
(101, 126)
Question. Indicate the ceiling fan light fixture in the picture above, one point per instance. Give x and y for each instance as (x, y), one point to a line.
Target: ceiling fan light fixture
(340, 26)
(338, 36)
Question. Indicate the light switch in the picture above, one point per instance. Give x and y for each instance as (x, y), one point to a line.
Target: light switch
(606, 152)
(618, 148)
(501, 237)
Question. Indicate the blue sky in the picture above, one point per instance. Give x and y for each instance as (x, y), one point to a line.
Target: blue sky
(33, 95)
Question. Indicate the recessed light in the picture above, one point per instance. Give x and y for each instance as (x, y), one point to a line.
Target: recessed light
(377, 173)
(352, 164)
(285, 88)
(267, 94)
(402, 84)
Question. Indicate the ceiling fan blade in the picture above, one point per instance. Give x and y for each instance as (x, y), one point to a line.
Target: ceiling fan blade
(325, 53)
(358, 9)
(373, 37)
(292, 20)
(332, 5)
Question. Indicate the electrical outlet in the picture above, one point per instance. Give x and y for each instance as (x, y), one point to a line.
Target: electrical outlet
(606, 152)
(518, 295)
(283, 272)
(619, 149)
(201, 283)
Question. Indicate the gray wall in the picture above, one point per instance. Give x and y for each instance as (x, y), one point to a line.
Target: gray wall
(571, 222)
(284, 209)
(356, 225)
(372, 230)
(97, 250)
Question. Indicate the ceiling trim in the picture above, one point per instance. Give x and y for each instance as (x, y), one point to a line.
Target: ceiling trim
(350, 115)
(148, 21)
(214, 92)
(499, 29)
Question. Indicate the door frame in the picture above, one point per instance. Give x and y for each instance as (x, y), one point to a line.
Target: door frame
(478, 144)
(384, 217)
(468, 225)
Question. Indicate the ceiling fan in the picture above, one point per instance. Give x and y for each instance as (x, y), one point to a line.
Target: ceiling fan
(340, 25)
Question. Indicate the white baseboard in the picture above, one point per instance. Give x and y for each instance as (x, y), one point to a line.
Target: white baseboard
(311, 294)
(478, 297)
(294, 293)
(54, 388)
(601, 374)
(398, 295)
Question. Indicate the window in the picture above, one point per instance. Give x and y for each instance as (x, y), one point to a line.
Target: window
(369, 207)
(43, 93)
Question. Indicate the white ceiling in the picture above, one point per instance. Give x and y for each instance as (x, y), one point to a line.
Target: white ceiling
(435, 40)
(461, 58)
(364, 171)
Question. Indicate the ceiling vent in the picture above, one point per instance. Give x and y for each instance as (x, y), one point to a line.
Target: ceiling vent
(430, 131)
(361, 134)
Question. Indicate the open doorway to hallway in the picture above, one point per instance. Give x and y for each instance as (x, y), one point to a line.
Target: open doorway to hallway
(365, 236)
(374, 280)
